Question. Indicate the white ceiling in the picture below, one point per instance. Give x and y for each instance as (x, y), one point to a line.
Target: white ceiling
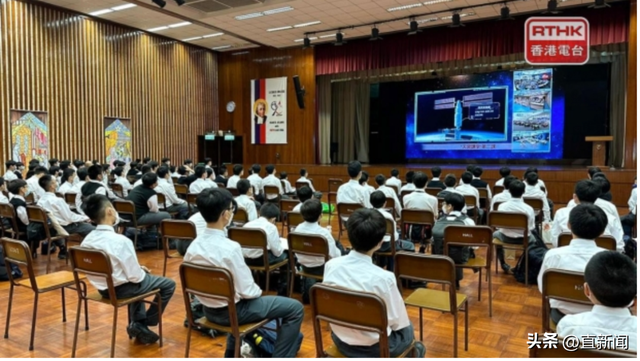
(242, 34)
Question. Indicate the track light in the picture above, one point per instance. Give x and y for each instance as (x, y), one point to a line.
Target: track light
(180, 2)
(413, 28)
(160, 3)
(505, 13)
(455, 21)
(552, 7)
(599, 4)
(306, 42)
(375, 34)
(339, 41)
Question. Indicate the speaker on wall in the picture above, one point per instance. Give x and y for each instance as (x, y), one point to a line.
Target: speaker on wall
(299, 91)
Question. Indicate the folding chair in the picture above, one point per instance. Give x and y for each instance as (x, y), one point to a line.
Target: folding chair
(30, 199)
(294, 219)
(240, 218)
(496, 205)
(272, 191)
(515, 222)
(433, 191)
(402, 194)
(362, 311)
(419, 217)
(563, 286)
(184, 231)
(191, 199)
(606, 242)
(96, 263)
(286, 206)
(344, 211)
(436, 269)
(299, 185)
(334, 184)
(38, 215)
(485, 201)
(497, 189)
(162, 202)
(536, 204)
(70, 198)
(391, 206)
(127, 212)
(470, 203)
(234, 192)
(221, 185)
(7, 212)
(395, 189)
(181, 190)
(305, 245)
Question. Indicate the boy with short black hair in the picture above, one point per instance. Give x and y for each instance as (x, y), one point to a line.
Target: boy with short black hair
(409, 186)
(200, 183)
(364, 182)
(272, 180)
(222, 175)
(11, 171)
(304, 178)
(284, 178)
(173, 203)
(379, 201)
(504, 195)
(394, 180)
(238, 171)
(504, 173)
(389, 193)
(245, 201)
(353, 191)
(435, 181)
(145, 200)
(32, 182)
(256, 182)
(533, 190)
(304, 194)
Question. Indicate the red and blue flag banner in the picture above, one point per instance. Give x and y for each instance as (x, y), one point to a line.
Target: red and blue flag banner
(269, 111)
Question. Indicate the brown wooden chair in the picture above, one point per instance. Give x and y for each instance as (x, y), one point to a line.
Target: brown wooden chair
(473, 236)
(305, 245)
(184, 231)
(7, 212)
(127, 211)
(471, 204)
(162, 202)
(240, 218)
(117, 189)
(59, 195)
(294, 219)
(286, 206)
(96, 263)
(516, 222)
(391, 207)
(132, 179)
(561, 352)
(402, 194)
(563, 286)
(234, 192)
(606, 242)
(174, 180)
(496, 205)
(391, 232)
(191, 199)
(18, 253)
(484, 199)
(38, 215)
(181, 190)
(256, 239)
(395, 188)
(299, 185)
(433, 191)
(436, 269)
(497, 189)
(213, 283)
(420, 217)
(221, 185)
(536, 204)
(344, 211)
(272, 191)
(70, 198)
(357, 310)
(334, 184)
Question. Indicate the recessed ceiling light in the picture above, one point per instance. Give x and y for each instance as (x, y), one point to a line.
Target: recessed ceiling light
(404, 7)
(179, 24)
(301, 40)
(330, 35)
(101, 12)
(240, 53)
(422, 21)
(221, 47)
(436, 2)
(122, 7)
(159, 28)
(212, 35)
(280, 28)
(191, 39)
(278, 10)
(249, 16)
(307, 24)
(263, 13)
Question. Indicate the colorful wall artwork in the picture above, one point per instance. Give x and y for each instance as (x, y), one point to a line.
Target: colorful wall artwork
(117, 139)
(29, 136)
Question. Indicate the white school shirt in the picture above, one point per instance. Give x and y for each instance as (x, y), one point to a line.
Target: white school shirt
(633, 200)
(101, 190)
(408, 187)
(65, 188)
(256, 182)
(233, 181)
(500, 197)
(126, 185)
(77, 189)
(248, 205)
(469, 190)
(388, 216)
(10, 175)
(3, 199)
(357, 272)
(536, 192)
(500, 182)
(297, 208)
(22, 211)
(353, 192)
(601, 320)
(287, 186)
(199, 185)
(137, 183)
(35, 188)
(169, 190)
(313, 228)
(419, 199)
(573, 257)
(489, 195)
(608, 207)
(561, 225)
(59, 209)
(199, 222)
(274, 244)
(369, 188)
(390, 193)
(394, 182)
(228, 255)
(124, 262)
(272, 180)
(517, 205)
(306, 180)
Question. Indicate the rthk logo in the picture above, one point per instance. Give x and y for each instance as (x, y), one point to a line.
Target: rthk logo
(556, 41)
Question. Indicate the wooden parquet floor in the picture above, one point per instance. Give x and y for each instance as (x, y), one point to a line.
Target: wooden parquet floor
(516, 312)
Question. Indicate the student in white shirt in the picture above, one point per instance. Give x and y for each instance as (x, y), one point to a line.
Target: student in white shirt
(587, 222)
(394, 180)
(504, 195)
(144, 170)
(585, 192)
(532, 190)
(238, 171)
(611, 284)
(82, 177)
(419, 199)
(353, 191)
(211, 178)
(32, 182)
(145, 199)
(200, 183)
(172, 201)
(514, 205)
(3, 188)
(256, 182)
(435, 181)
(379, 201)
(217, 209)
(272, 180)
(366, 229)
(94, 185)
(67, 180)
(364, 182)
(629, 221)
(540, 181)
(11, 171)
(591, 171)
(466, 189)
(245, 201)
(449, 187)
(288, 190)
(504, 173)
(57, 208)
(390, 193)
(409, 186)
(122, 181)
(304, 178)
(129, 277)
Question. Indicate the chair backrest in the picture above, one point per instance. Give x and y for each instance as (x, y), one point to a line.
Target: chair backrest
(497, 189)
(433, 191)
(564, 286)
(59, 195)
(271, 190)
(308, 245)
(162, 200)
(496, 205)
(70, 198)
(181, 189)
(417, 216)
(561, 352)
(18, 253)
(301, 184)
(535, 203)
(93, 262)
(394, 187)
(221, 185)
(7, 212)
(284, 187)
(174, 180)
(509, 220)
(38, 215)
(126, 209)
(606, 242)
(234, 192)
(117, 189)
(483, 193)
(472, 236)
(30, 198)
(391, 205)
(294, 219)
(249, 237)
(391, 232)
(334, 184)
(346, 209)
(240, 217)
(287, 205)
(353, 309)
(470, 201)
(178, 229)
(402, 194)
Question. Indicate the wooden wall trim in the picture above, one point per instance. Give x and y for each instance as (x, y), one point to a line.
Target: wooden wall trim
(631, 125)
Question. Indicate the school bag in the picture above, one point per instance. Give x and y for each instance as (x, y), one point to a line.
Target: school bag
(263, 340)
(536, 251)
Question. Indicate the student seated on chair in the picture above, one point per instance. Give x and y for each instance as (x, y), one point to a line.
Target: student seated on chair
(479, 183)
(145, 199)
(388, 192)
(602, 180)
(129, 277)
(449, 187)
(312, 214)
(394, 180)
(144, 170)
(419, 199)
(435, 181)
(587, 222)
(57, 208)
(11, 171)
(304, 194)
(19, 190)
(272, 180)
(504, 173)
(364, 182)
(379, 201)
(217, 209)
(611, 284)
(585, 192)
(222, 176)
(514, 205)
(81, 179)
(353, 191)
(124, 182)
(3, 187)
(200, 183)
(211, 178)
(94, 185)
(304, 178)
(238, 172)
(172, 201)
(32, 182)
(409, 186)
(68, 178)
(366, 229)
(287, 188)
(532, 190)
(245, 201)
(256, 182)
(467, 189)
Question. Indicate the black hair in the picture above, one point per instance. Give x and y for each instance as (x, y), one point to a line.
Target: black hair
(283, 175)
(269, 210)
(182, 170)
(54, 170)
(40, 170)
(209, 172)
(593, 170)
(380, 179)
(212, 202)
(117, 171)
(1, 181)
(587, 191)
(256, 168)
(9, 164)
(436, 171)
(162, 171)
(45, 182)
(409, 177)
(172, 168)
(377, 199)
(304, 193)
(64, 165)
(237, 169)
(187, 161)
(477, 171)
(243, 186)
(612, 278)
(53, 161)
(354, 168)
(531, 169)
(311, 210)
(207, 160)
(146, 160)
(505, 171)
(94, 172)
(587, 221)
(78, 163)
(153, 164)
(95, 207)
(420, 180)
(604, 184)
(82, 174)
(450, 180)
(222, 170)
(105, 167)
(366, 229)
(516, 188)
(303, 172)
(134, 165)
(455, 200)
(270, 168)
(149, 179)
(395, 173)
(200, 170)
(363, 178)
(14, 186)
(68, 173)
(165, 159)
(146, 169)
(532, 178)
(467, 177)
(507, 181)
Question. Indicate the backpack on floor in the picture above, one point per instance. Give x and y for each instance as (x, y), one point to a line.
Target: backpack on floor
(536, 251)
(263, 340)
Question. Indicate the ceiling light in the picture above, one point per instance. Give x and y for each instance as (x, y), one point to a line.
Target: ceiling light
(158, 28)
(552, 7)
(307, 24)
(404, 7)
(280, 28)
(505, 13)
(302, 40)
(599, 4)
(278, 10)
(413, 28)
(240, 53)
(455, 21)
(192, 39)
(330, 35)
(375, 34)
(339, 39)
(461, 15)
(160, 3)
(122, 7)
(211, 35)
(436, 2)
(422, 21)
(179, 24)
(249, 16)
(221, 47)
(100, 12)
(180, 2)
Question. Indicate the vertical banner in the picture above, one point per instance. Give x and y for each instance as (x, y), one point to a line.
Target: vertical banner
(269, 111)
(117, 139)
(29, 136)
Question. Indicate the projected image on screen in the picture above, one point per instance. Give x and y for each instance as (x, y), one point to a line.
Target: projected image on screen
(461, 115)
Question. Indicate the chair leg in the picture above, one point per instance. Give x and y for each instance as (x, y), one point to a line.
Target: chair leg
(75, 331)
(6, 327)
(48, 258)
(135, 242)
(420, 324)
(455, 334)
(238, 343)
(490, 295)
(164, 268)
(33, 321)
(495, 254)
(64, 307)
(466, 325)
(480, 285)
(160, 319)
(186, 352)
(266, 275)
(86, 307)
(113, 331)
(526, 268)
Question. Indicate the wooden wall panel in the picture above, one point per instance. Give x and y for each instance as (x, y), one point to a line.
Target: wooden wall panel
(80, 70)
(631, 127)
(235, 74)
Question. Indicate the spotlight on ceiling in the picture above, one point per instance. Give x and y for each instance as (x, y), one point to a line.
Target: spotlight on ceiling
(306, 42)
(375, 34)
(180, 2)
(552, 7)
(599, 4)
(339, 39)
(505, 13)
(160, 3)
(455, 21)
(413, 28)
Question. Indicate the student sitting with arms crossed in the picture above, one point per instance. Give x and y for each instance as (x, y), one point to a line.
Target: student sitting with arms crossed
(213, 248)
(366, 229)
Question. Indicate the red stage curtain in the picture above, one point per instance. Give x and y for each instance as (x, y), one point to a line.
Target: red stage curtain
(480, 39)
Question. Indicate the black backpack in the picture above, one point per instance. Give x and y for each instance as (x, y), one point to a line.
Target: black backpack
(536, 251)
